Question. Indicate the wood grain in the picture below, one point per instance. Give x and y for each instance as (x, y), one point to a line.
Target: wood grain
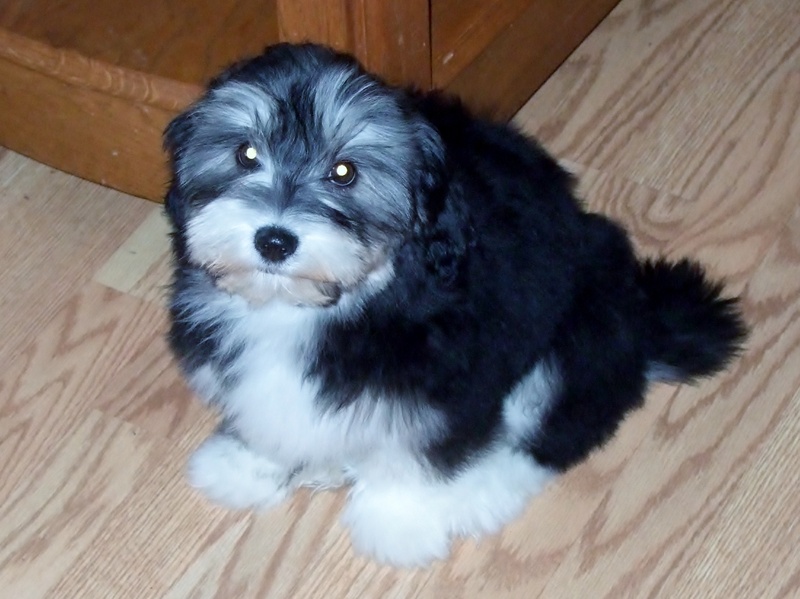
(392, 37)
(48, 219)
(80, 131)
(672, 94)
(504, 73)
(141, 266)
(462, 29)
(149, 37)
(682, 120)
(89, 88)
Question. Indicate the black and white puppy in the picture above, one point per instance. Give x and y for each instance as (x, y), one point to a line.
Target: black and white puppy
(375, 288)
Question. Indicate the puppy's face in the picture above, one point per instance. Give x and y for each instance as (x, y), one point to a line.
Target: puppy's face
(296, 176)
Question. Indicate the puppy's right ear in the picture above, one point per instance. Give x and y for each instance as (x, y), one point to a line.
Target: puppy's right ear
(174, 206)
(176, 138)
(177, 134)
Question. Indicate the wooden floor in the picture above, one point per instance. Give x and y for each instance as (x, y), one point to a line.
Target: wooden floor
(683, 119)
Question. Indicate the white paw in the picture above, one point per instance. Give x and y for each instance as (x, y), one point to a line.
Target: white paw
(396, 526)
(230, 474)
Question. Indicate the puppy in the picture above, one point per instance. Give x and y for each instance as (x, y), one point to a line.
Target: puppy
(375, 288)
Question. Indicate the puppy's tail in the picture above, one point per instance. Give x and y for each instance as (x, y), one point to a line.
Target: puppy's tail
(695, 331)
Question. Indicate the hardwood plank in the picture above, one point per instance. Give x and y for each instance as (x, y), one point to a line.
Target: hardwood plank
(107, 481)
(58, 510)
(142, 265)
(301, 538)
(148, 390)
(748, 546)
(57, 376)
(666, 95)
(55, 231)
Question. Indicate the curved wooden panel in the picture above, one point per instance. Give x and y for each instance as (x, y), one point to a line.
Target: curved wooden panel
(390, 37)
(76, 69)
(182, 40)
(88, 87)
(95, 120)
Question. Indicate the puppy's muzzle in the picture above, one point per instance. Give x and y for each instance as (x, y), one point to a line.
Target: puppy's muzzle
(275, 244)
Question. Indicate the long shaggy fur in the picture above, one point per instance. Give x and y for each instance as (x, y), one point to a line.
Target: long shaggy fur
(444, 332)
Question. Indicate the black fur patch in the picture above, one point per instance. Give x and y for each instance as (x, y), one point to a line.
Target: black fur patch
(501, 268)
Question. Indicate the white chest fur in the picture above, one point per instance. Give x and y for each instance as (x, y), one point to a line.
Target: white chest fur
(274, 406)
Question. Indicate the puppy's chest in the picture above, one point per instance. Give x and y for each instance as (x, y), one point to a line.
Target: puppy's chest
(267, 393)
(276, 407)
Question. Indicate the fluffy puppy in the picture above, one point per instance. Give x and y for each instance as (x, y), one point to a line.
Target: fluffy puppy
(375, 288)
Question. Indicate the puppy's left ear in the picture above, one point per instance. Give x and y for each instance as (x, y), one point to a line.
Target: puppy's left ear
(431, 181)
(442, 226)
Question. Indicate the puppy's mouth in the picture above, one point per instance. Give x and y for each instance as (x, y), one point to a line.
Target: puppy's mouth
(262, 285)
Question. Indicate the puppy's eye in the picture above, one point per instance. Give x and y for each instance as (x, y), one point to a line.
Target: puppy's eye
(247, 155)
(343, 173)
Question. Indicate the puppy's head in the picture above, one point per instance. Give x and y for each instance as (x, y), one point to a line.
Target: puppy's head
(297, 175)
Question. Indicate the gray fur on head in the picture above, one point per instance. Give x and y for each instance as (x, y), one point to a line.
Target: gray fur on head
(300, 118)
(374, 287)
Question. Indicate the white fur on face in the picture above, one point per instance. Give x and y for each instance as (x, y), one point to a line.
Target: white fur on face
(221, 236)
(221, 239)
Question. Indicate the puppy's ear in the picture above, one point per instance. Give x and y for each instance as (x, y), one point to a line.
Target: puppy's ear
(442, 225)
(174, 206)
(430, 184)
(177, 134)
(176, 137)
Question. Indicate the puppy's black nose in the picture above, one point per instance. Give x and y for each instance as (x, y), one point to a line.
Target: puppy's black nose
(275, 243)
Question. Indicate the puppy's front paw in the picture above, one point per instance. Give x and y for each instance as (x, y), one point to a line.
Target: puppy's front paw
(230, 474)
(396, 526)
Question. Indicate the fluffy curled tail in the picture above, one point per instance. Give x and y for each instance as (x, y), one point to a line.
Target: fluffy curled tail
(695, 330)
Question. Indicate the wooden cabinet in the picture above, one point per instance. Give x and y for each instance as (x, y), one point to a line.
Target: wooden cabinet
(88, 86)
